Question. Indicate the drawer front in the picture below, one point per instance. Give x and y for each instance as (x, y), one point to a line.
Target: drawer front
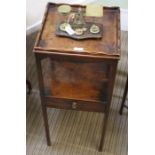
(72, 104)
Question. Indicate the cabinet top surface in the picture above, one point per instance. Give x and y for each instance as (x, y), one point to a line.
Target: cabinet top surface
(107, 46)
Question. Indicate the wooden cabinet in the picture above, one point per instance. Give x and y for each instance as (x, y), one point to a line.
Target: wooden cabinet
(77, 79)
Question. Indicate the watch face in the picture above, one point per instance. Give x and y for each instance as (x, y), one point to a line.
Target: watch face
(94, 29)
(64, 9)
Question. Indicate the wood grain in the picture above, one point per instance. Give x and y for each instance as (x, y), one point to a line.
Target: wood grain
(76, 132)
(108, 45)
(75, 84)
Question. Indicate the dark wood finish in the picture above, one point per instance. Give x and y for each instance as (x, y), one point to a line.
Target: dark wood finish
(69, 79)
(83, 105)
(124, 97)
(112, 74)
(108, 45)
(79, 80)
(41, 87)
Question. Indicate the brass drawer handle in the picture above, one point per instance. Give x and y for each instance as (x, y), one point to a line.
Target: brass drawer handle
(74, 105)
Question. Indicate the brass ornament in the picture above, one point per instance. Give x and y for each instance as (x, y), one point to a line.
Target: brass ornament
(94, 29)
(63, 26)
(64, 9)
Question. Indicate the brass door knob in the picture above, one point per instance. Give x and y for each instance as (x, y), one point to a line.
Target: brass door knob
(74, 105)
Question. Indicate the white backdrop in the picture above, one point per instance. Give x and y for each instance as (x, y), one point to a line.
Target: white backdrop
(71, 1)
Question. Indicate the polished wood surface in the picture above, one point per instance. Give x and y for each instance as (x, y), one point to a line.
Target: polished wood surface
(87, 81)
(109, 44)
(77, 80)
(76, 132)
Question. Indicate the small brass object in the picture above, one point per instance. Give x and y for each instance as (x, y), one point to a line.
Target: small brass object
(79, 31)
(64, 8)
(63, 26)
(94, 29)
(74, 105)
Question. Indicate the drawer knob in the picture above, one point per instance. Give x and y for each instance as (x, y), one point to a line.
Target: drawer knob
(74, 105)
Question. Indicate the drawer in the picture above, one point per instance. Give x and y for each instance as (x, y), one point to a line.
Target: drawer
(71, 104)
